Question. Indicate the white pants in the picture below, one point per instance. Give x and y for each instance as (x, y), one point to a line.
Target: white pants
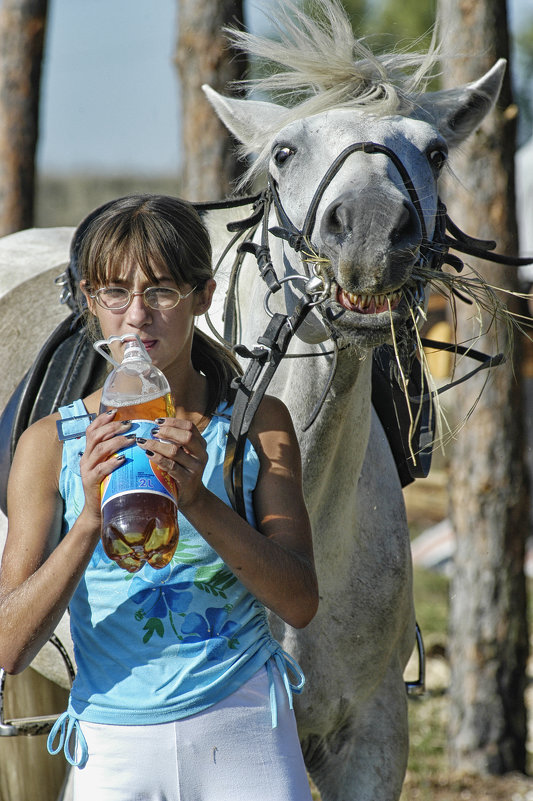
(230, 752)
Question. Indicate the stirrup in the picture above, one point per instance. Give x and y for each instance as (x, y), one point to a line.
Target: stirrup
(40, 724)
(418, 687)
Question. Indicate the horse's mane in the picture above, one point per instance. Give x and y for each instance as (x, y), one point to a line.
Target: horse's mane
(317, 64)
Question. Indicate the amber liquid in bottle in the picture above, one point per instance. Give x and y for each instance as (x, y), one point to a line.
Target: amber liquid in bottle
(141, 527)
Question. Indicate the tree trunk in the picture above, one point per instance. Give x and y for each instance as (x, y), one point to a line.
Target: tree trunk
(22, 28)
(202, 56)
(488, 478)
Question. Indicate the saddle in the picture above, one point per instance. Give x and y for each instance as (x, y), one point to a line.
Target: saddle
(66, 368)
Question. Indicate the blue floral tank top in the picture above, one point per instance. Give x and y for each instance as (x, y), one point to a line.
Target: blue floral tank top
(159, 645)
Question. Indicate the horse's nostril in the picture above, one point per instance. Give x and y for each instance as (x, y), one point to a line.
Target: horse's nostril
(336, 219)
(406, 227)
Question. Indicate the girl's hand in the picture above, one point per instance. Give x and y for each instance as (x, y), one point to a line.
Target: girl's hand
(104, 438)
(181, 451)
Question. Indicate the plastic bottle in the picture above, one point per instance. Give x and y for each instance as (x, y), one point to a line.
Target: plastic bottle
(139, 500)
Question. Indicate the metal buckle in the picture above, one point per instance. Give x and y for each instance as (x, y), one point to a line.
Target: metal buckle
(73, 427)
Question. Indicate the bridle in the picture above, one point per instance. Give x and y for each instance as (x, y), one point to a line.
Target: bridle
(298, 237)
(273, 344)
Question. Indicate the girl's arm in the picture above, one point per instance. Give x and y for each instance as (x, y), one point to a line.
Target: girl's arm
(39, 573)
(275, 562)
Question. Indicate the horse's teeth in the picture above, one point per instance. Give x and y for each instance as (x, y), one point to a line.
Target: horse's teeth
(365, 300)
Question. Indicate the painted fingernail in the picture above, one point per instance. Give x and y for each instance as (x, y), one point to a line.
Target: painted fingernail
(119, 457)
(111, 411)
(154, 432)
(141, 440)
(160, 420)
(130, 436)
(149, 453)
(125, 422)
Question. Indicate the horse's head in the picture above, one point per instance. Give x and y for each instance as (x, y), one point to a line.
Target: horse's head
(362, 191)
(355, 182)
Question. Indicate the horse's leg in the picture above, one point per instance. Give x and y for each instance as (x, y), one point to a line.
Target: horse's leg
(361, 754)
(366, 758)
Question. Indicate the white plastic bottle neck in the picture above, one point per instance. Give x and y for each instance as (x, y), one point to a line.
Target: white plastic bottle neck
(133, 352)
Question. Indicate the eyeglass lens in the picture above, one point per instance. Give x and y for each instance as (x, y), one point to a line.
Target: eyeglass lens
(157, 297)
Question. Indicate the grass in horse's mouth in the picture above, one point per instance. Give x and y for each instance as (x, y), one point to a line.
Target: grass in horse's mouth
(368, 304)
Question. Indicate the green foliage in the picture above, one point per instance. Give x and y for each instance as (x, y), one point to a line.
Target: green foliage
(392, 23)
(405, 22)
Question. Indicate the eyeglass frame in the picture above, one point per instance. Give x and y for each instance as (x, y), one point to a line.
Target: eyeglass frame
(96, 295)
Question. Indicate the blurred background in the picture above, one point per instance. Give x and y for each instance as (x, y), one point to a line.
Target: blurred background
(110, 111)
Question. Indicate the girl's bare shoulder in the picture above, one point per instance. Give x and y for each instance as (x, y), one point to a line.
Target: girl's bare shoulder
(39, 444)
(272, 432)
(272, 415)
(43, 430)
(33, 498)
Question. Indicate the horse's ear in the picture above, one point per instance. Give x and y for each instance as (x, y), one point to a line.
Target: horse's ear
(458, 112)
(244, 118)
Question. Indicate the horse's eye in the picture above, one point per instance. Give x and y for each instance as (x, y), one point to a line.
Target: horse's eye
(437, 159)
(282, 154)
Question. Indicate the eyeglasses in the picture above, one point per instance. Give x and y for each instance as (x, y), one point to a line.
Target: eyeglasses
(118, 298)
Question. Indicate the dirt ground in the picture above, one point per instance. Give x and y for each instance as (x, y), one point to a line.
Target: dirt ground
(427, 505)
(512, 787)
(432, 780)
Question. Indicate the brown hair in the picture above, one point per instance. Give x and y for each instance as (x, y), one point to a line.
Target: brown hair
(157, 231)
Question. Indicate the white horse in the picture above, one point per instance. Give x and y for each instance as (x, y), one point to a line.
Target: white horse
(352, 716)
(363, 217)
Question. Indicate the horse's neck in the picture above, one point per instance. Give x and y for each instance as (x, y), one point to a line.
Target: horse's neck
(334, 446)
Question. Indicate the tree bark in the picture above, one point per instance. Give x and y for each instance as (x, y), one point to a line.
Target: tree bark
(210, 165)
(488, 477)
(22, 29)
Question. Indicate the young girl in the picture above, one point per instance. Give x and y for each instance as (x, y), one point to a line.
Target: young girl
(181, 691)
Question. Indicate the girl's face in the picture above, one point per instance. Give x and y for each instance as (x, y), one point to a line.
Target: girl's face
(166, 334)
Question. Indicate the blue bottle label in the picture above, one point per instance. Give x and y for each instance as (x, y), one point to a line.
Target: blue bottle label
(137, 473)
